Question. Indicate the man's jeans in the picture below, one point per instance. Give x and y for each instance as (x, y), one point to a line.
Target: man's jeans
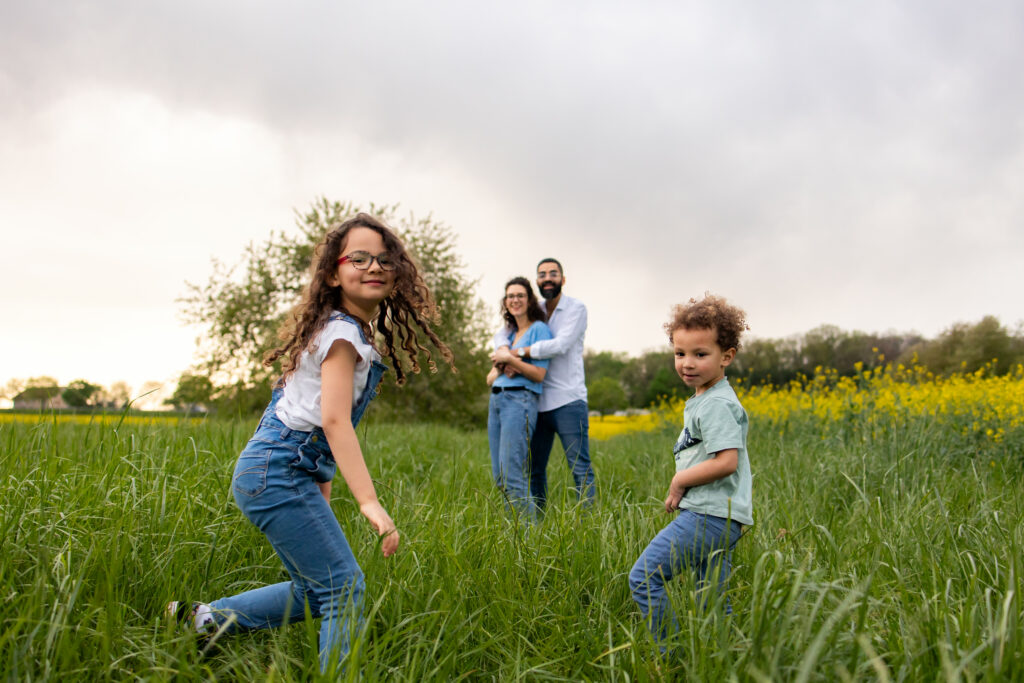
(572, 425)
(275, 488)
(511, 419)
(702, 543)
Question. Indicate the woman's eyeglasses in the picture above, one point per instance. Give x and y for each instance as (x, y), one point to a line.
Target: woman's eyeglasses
(513, 297)
(361, 260)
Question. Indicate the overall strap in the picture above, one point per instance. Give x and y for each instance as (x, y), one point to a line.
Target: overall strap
(376, 373)
(338, 315)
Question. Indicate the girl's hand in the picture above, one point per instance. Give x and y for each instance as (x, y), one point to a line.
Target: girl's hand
(383, 525)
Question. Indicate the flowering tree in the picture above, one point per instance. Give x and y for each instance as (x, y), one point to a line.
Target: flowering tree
(241, 308)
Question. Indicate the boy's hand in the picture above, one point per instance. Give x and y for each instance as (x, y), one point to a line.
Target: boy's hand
(384, 526)
(675, 494)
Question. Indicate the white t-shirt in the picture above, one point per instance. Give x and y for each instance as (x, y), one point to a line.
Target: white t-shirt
(299, 406)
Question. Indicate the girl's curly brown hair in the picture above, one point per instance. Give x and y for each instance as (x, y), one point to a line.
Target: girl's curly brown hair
(409, 306)
(710, 313)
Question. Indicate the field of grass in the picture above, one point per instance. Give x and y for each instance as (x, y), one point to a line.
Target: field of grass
(889, 545)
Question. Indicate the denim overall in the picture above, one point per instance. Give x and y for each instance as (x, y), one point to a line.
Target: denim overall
(275, 486)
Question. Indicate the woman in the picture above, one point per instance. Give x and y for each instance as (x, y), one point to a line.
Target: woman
(516, 385)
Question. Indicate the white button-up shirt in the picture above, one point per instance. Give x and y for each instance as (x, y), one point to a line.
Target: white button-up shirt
(564, 381)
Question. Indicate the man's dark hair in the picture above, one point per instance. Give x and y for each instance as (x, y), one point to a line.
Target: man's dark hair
(552, 260)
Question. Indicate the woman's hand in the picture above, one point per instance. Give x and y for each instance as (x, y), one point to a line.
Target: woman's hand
(502, 355)
(383, 525)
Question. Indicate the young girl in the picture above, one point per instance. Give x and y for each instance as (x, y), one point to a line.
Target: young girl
(361, 274)
(515, 391)
(711, 487)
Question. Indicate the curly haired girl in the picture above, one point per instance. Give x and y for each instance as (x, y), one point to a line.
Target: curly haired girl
(362, 279)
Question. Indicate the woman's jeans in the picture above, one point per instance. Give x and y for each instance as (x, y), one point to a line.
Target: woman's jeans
(510, 421)
(275, 486)
(699, 542)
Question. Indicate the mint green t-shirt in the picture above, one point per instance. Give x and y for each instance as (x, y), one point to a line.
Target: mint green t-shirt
(715, 421)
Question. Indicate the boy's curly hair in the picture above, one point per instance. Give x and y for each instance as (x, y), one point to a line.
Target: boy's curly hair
(710, 313)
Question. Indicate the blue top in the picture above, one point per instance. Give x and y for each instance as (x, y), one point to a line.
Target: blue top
(538, 331)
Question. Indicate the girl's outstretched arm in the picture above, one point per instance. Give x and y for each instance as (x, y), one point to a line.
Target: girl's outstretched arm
(336, 378)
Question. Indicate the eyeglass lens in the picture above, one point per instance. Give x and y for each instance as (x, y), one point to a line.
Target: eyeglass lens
(361, 260)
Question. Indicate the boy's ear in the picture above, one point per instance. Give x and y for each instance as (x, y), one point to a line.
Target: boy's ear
(728, 355)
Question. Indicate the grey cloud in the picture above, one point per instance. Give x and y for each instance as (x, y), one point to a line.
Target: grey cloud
(793, 129)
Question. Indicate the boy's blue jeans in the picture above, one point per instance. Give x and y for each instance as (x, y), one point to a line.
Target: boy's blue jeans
(699, 542)
(511, 419)
(275, 486)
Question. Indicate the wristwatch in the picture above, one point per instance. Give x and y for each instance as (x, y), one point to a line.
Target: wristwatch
(521, 351)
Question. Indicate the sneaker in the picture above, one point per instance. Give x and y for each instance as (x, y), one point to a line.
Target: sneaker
(198, 615)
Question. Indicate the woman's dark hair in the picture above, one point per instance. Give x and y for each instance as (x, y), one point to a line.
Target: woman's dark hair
(533, 308)
(409, 306)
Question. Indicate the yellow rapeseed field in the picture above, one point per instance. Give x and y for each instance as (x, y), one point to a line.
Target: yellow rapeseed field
(974, 403)
(615, 425)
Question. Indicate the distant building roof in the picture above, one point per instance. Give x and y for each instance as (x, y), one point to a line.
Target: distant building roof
(37, 394)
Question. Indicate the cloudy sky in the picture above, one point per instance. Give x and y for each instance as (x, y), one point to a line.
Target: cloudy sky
(859, 164)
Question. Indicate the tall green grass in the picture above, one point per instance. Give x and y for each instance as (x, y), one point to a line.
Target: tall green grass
(897, 558)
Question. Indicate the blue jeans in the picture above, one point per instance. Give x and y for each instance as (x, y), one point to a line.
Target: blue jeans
(510, 421)
(275, 486)
(572, 425)
(702, 543)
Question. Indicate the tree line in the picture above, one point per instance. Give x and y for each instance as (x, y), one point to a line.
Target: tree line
(239, 309)
(617, 381)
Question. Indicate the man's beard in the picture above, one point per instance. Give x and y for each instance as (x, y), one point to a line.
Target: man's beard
(551, 290)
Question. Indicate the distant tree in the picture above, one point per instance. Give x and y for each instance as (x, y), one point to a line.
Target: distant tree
(604, 364)
(150, 396)
(766, 361)
(41, 381)
(818, 348)
(606, 395)
(664, 384)
(639, 372)
(239, 399)
(192, 391)
(242, 307)
(12, 388)
(117, 394)
(968, 347)
(79, 393)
